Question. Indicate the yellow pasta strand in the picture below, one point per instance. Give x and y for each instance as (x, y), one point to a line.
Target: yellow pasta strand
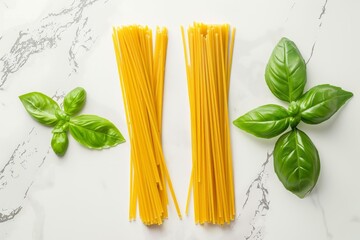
(141, 71)
(208, 59)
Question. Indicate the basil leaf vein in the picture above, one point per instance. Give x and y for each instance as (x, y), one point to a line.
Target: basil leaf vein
(266, 121)
(285, 73)
(41, 107)
(321, 102)
(94, 132)
(59, 143)
(74, 101)
(296, 162)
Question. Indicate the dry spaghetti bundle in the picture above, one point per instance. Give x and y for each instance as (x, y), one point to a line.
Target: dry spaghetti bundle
(141, 71)
(208, 66)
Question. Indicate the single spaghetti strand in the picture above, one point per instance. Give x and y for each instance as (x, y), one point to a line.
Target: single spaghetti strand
(191, 101)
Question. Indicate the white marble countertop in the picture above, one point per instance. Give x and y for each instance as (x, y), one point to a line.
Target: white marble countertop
(54, 46)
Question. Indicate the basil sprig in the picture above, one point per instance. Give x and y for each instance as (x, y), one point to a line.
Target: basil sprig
(89, 130)
(296, 159)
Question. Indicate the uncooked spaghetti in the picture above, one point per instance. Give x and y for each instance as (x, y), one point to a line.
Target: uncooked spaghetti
(208, 66)
(141, 70)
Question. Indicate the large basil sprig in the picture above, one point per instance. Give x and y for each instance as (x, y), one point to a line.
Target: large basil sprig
(296, 159)
(89, 130)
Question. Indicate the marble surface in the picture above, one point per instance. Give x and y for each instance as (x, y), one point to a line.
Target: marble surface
(54, 46)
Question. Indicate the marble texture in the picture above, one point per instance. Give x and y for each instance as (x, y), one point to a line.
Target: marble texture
(54, 46)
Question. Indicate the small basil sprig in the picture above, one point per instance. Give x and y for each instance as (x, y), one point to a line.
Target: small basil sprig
(296, 159)
(89, 130)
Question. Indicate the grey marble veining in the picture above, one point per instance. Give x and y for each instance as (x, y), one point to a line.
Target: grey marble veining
(316, 199)
(17, 176)
(323, 11)
(257, 192)
(83, 41)
(35, 39)
(45, 35)
(13, 176)
(10, 214)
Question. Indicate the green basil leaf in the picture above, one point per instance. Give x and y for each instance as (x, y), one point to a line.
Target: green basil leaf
(41, 107)
(296, 162)
(321, 102)
(74, 101)
(59, 143)
(285, 72)
(95, 132)
(266, 121)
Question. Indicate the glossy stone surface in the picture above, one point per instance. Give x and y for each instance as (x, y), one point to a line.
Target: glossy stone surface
(55, 46)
